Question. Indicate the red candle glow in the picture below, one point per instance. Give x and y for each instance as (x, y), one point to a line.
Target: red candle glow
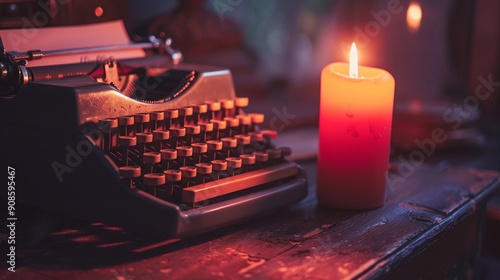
(354, 135)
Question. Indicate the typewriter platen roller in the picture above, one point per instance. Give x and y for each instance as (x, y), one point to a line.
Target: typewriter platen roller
(148, 144)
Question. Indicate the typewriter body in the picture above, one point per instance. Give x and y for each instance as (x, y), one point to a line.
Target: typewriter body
(149, 144)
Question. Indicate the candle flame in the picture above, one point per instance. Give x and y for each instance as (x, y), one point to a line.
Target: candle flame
(414, 16)
(353, 61)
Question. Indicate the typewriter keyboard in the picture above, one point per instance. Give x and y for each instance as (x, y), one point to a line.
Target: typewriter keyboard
(196, 155)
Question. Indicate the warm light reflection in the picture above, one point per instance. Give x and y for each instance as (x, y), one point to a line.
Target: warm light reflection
(353, 61)
(414, 16)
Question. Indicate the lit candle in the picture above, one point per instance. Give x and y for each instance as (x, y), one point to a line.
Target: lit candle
(354, 135)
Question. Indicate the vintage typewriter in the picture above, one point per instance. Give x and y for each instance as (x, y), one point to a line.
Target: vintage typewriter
(149, 144)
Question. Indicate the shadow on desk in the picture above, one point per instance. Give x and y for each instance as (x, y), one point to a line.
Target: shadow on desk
(428, 229)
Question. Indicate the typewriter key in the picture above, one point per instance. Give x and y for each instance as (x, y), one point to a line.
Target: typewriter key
(168, 156)
(149, 159)
(188, 175)
(243, 140)
(153, 182)
(257, 119)
(142, 140)
(170, 116)
(274, 154)
(141, 120)
(154, 179)
(269, 134)
(228, 144)
(256, 136)
(199, 149)
(213, 147)
(219, 128)
(203, 169)
(108, 129)
(261, 158)
(191, 131)
(218, 167)
(184, 115)
(125, 142)
(233, 165)
(176, 136)
(198, 111)
(240, 103)
(144, 137)
(124, 124)
(184, 152)
(157, 119)
(248, 162)
(232, 125)
(227, 107)
(245, 123)
(205, 128)
(173, 178)
(160, 137)
(129, 173)
(213, 109)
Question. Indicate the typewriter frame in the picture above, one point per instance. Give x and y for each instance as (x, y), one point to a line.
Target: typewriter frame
(38, 105)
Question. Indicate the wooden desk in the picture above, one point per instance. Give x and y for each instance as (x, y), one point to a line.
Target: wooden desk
(429, 228)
